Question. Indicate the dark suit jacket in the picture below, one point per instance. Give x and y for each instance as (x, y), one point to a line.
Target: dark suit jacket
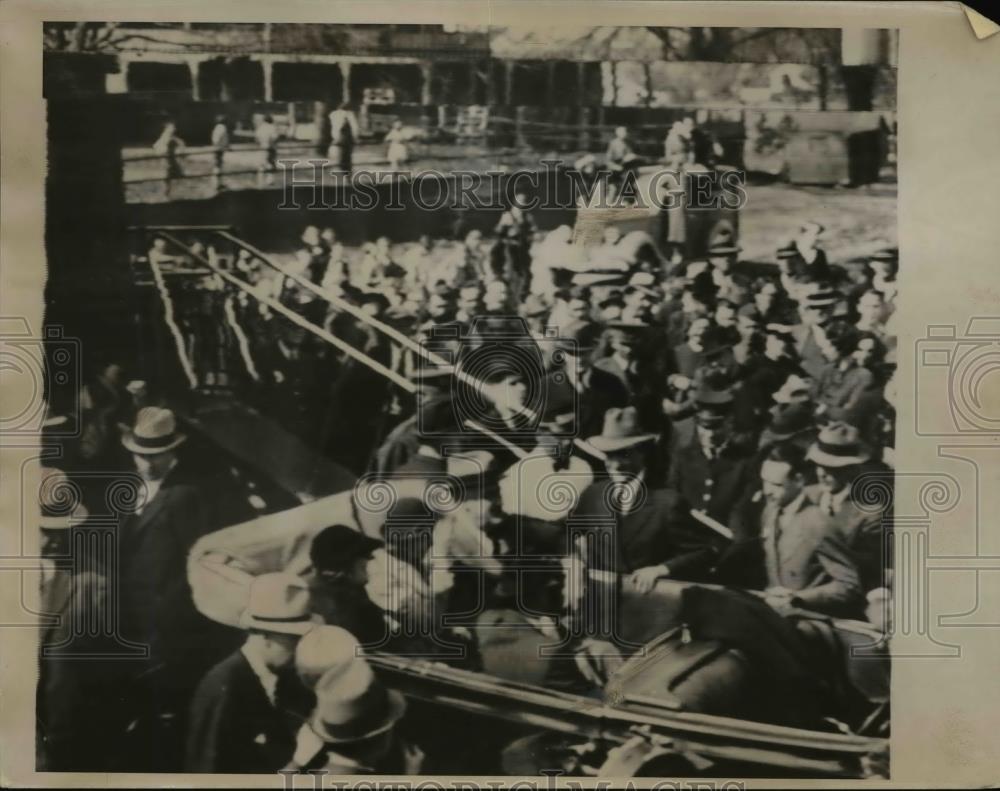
(156, 604)
(233, 727)
(74, 734)
(658, 531)
(852, 395)
(346, 605)
(602, 391)
(718, 486)
(763, 377)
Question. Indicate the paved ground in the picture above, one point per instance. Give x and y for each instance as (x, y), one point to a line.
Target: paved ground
(856, 219)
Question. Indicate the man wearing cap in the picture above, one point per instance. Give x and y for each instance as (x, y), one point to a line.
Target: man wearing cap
(722, 253)
(245, 712)
(654, 537)
(810, 255)
(840, 458)
(340, 556)
(815, 310)
(712, 471)
(883, 265)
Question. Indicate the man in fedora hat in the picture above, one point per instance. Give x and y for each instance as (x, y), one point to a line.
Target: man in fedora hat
(352, 729)
(246, 710)
(793, 423)
(653, 533)
(840, 458)
(156, 606)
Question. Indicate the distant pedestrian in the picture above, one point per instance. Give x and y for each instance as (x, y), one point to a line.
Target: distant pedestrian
(398, 153)
(220, 145)
(169, 145)
(344, 133)
(267, 138)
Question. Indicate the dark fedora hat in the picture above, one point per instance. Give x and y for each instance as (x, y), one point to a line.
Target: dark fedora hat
(621, 430)
(790, 420)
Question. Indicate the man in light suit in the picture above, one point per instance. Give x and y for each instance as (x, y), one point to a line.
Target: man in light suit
(806, 560)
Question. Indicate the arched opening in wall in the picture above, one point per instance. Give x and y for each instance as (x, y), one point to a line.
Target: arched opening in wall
(302, 82)
(230, 79)
(529, 83)
(159, 78)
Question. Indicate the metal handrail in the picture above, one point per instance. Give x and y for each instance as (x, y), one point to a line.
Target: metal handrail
(276, 306)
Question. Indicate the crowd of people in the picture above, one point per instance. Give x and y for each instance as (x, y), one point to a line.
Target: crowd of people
(733, 415)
